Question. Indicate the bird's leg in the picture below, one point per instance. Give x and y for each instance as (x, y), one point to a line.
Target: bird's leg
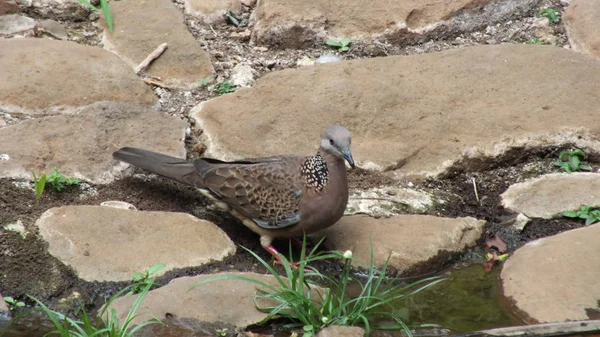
(266, 241)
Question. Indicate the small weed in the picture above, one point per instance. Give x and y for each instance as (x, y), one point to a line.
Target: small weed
(537, 40)
(59, 181)
(223, 88)
(39, 186)
(221, 332)
(551, 13)
(203, 82)
(13, 304)
(298, 298)
(588, 213)
(105, 11)
(571, 161)
(105, 324)
(342, 45)
(142, 279)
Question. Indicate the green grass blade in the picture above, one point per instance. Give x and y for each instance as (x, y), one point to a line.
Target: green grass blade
(107, 15)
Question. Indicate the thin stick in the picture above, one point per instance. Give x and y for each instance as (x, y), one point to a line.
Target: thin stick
(151, 57)
(475, 189)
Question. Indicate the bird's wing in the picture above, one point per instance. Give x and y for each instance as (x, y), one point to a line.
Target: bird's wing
(267, 192)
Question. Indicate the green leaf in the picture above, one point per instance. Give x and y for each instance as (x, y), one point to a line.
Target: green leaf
(107, 15)
(20, 304)
(344, 48)
(574, 162)
(577, 152)
(88, 4)
(585, 167)
(9, 299)
(590, 221)
(333, 43)
(345, 42)
(153, 269)
(571, 214)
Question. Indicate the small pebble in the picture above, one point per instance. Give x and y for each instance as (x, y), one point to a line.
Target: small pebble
(328, 58)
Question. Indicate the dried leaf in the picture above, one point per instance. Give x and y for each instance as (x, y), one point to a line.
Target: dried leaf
(496, 241)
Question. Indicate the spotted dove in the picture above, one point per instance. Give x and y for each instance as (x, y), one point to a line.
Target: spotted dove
(281, 196)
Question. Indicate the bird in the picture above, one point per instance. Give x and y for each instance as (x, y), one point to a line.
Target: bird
(275, 197)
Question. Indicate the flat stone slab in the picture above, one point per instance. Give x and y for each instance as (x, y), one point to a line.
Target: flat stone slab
(295, 23)
(51, 75)
(412, 240)
(552, 194)
(211, 11)
(555, 279)
(81, 145)
(581, 22)
(387, 201)
(110, 244)
(16, 24)
(228, 302)
(141, 26)
(416, 114)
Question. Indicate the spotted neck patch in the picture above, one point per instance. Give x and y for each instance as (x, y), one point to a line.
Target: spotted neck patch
(314, 170)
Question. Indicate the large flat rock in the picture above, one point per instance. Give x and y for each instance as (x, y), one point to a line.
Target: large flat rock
(555, 279)
(227, 302)
(110, 244)
(81, 145)
(44, 74)
(141, 26)
(294, 23)
(552, 194)
(582, 26)
(412, 240)
(415, 114)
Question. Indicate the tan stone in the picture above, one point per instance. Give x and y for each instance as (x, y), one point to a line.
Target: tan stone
(229, 302)
(81, 145)
(9, 7)
(44, 74)
(552, 194)
(341, 331)
(294, 23)
(410, 239)
(415, 114)
(581, 22)
(141, 26)
(555, 279)
(110, 244)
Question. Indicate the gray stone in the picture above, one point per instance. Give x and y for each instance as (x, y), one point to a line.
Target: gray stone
(227, 302)
(109, 244)
(242, 75)
(118, 204)
(555, 279)
(581, 23)
(54, 29)
(212, 11)
(328, 58)
(412, 240)
(68, 10)
(141, 26)
(387, 201)
(81, 145)
(31, 68)
(16, 24)
(416, 115)
(552, 194)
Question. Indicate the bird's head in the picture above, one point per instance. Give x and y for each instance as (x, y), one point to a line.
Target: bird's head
(336, 140)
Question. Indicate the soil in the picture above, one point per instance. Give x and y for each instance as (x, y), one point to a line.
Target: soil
(28, 268)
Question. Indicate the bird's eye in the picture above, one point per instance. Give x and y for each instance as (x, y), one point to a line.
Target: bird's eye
(330, 141)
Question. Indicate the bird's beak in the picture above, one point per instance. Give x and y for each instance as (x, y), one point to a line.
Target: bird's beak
(348, 157)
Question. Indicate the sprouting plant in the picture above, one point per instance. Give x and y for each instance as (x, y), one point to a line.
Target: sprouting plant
(39, 185)
(299, 299)
(551, 13)
(203, 82)
(342, 45)
(105, 324)
(221, 332)
(571, 161)
(537, 40)
(12, 303)
(589, 213)
(142, 279)
(223, 88)
(58, 181)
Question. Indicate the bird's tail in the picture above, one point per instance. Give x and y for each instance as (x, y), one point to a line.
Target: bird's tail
(170, 167)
